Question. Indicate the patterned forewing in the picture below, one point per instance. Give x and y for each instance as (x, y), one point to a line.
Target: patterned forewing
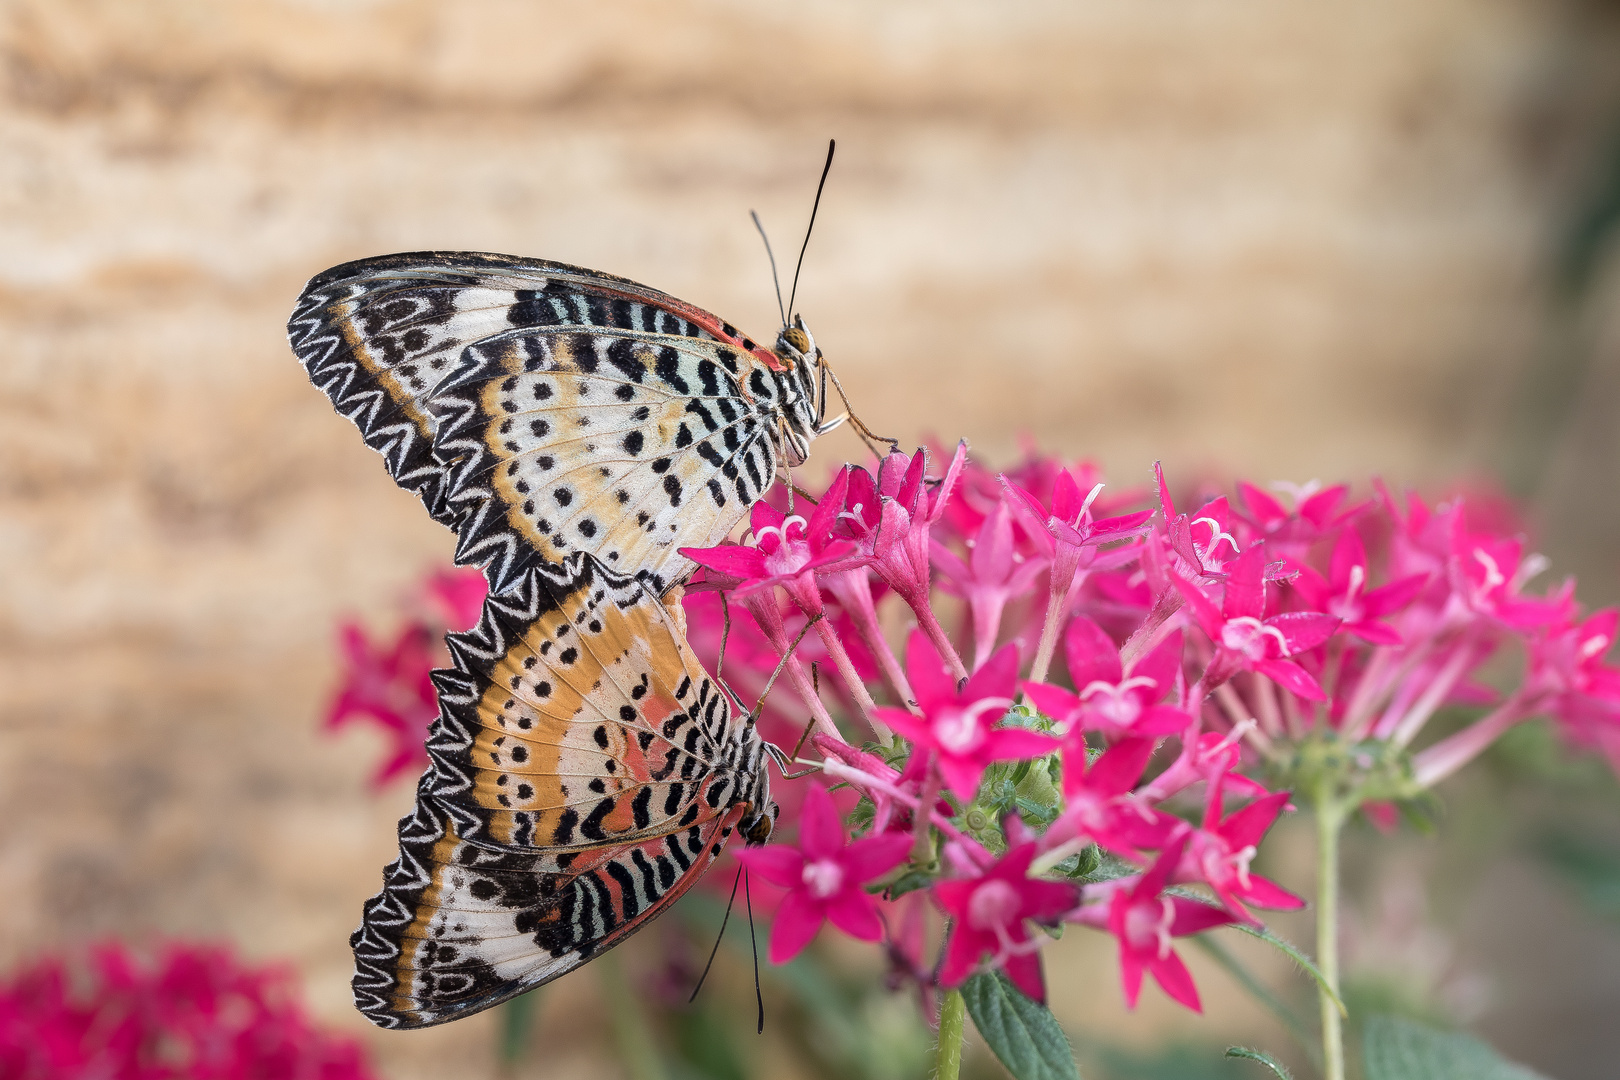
(629, 446)
(584, 773)
(382, 336)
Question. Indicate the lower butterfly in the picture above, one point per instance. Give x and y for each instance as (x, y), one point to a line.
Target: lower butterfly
(585, 772)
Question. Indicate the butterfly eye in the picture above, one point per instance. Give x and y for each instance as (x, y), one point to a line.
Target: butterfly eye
(760, 830)
(797, 338)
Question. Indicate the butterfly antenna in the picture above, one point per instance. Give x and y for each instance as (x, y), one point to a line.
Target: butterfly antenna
(759, 998)
(832, 144)
(718, 937)
(774, 279)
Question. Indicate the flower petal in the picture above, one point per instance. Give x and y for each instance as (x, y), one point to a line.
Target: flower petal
(1176, 980)
(961, 774)
(1092, 654)
(1024, 972)
(929, 677)
(1053, 701)
(1247, 826)
(778, 864)
(1245, 584)
(821, 830)
(873, 856)
(962, 953)
(798, 920)
(855, 913)
(1291, 677)
(997, 678)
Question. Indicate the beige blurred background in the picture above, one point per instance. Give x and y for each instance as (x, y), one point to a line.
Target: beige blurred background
(1281, 239)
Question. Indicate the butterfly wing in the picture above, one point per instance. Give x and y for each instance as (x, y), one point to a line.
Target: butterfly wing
(585, 772)
(658, 431)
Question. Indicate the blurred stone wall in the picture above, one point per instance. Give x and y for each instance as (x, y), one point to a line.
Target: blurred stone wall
(1290, 239)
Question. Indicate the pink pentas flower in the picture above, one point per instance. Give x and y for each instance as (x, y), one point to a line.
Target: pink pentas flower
(1202, 542)
(1316, 513)
(890, 519)
(1487, 574)
(988, 914)
(1099, 802)
(1218, 854)
(958, 726)
(1567, 668)
(992, 574)
(785, 550)
(1246, 640)
(1105, 699)
(186, 1011)
(824, 876)
(391, 686)
(1144, 920)
(1068, 519)
(1344, 591)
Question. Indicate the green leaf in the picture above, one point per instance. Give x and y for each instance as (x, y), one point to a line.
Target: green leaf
(1396, 1049)
(1262, 1057)
(1293, 953)
(1023, 1033)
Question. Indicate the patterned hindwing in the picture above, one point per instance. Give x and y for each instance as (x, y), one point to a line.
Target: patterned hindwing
(459, 927)
(585, 771)
(627, 445)
(380, 337)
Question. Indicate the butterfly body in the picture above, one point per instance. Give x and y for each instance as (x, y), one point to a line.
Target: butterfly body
(538, 408)
(585, 772)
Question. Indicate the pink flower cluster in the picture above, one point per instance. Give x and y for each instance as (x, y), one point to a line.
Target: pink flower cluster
(387, 682)
(1197, 649)
(188, 1011)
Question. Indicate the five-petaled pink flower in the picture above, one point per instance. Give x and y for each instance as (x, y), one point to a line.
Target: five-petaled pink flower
(1218, 854)
(823, 876)
(957, 727)
(1098, 805)
(1344, 591)
(1104, 699)
(785, 550)
(988, 914)
(1245, 640)
(1144, 920)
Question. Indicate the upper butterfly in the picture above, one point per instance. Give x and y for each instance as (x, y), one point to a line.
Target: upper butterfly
(540, 409)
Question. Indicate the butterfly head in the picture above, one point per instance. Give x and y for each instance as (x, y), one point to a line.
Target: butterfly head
(757, 824)
(803, 387)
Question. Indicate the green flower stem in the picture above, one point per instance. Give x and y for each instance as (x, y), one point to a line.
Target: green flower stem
(1330, 818)
(952, 1030)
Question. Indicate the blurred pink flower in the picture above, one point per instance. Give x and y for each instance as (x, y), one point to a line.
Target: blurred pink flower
(187, 1012)
(1144, 920)
(390, 686)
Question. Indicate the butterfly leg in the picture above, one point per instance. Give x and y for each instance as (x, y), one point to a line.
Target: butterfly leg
(868, 436)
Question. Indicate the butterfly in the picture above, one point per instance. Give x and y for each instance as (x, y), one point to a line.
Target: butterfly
(585, 771)
(540, 409)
